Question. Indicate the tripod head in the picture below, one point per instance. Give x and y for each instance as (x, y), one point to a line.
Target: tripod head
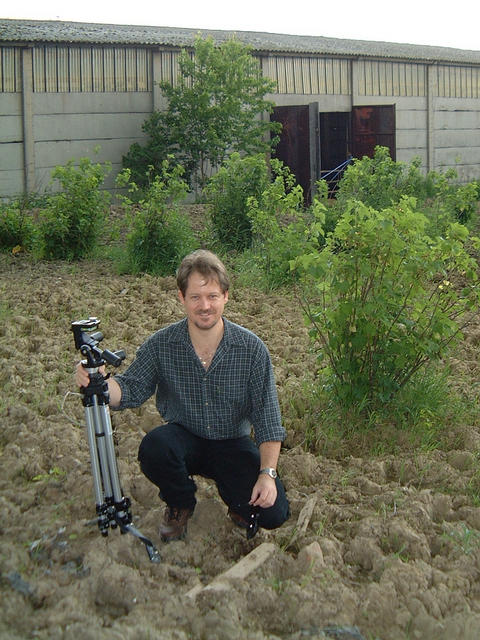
(86, 341)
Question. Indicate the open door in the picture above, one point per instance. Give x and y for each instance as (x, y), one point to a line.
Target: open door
(373, 126)
(335, 146)
(298, 147)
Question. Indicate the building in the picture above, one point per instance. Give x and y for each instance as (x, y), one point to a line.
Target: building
(68, 88)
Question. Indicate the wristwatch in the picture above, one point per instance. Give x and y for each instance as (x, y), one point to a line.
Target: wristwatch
(269, 471)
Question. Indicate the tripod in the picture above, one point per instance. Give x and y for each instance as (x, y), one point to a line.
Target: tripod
(113, 508)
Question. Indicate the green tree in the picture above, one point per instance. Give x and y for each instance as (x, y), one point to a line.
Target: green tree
(214, 108)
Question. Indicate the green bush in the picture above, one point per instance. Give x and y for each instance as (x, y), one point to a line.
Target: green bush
(450, 201)
(383, 298)
(228, 191)
(146, 161)
(280, 227)
(16, 227)
(72, 221)
(159, 236)
(380, 182)
(465, 202)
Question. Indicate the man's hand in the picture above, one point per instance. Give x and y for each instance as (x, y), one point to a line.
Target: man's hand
(264, 493)
(81, 375)
(82, 380)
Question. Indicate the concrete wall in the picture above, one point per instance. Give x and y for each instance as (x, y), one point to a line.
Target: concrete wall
(457, 136)
(65, 127)
(11, 144)
(42, 129)
(70, 126)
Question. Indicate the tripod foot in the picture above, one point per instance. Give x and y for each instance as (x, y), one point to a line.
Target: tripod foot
(152, 551)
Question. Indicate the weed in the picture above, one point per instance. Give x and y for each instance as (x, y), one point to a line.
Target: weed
(55, 473)
(286, 543)
(5, 312)
(473, 488)
(465, 540)
(320, 527)
(278, 584)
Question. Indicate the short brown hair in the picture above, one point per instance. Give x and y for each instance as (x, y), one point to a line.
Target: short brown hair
(207, 264)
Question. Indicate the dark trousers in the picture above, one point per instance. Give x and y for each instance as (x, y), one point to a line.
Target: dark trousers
(170, 455)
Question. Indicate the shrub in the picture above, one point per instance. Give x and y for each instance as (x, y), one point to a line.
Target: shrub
(381, 301)
(71, 223)
(144, 162)
(16, 226)
(450, 200)
(380, 182)
(280, 227)
(228, 192)
(159, 236)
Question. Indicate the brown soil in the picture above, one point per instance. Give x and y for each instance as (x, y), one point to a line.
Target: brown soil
(387, 545)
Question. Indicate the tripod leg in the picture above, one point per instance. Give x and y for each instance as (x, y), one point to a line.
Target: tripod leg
(109, 453)
(101, 450)
(101, 506)
(112, 506)
(152, 551)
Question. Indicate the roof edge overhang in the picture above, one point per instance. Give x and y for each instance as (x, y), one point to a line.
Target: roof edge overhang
(51, 32)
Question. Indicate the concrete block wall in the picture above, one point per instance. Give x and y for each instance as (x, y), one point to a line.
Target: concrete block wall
(68, 126)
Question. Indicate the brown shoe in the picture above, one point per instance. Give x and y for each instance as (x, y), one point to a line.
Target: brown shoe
(237, 519)
(174, 526)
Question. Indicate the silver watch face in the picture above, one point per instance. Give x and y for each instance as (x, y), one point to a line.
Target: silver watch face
(269, 472)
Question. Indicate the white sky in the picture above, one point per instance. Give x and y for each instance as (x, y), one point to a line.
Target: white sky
(447, 23)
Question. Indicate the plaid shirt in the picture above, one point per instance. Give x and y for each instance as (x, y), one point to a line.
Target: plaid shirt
(235, 393)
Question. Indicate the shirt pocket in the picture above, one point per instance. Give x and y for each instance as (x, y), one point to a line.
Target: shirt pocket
(231, 402)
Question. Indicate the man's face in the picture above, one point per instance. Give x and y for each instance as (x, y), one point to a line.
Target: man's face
(204, 301)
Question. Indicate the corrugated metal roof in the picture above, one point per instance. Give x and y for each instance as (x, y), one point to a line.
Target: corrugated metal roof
(31, 31)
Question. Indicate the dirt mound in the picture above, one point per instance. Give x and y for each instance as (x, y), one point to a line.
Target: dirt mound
(376, 548)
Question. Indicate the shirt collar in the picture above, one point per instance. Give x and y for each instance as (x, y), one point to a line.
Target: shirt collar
(232, 333)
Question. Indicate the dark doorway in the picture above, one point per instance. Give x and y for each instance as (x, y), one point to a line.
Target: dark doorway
(298, 146)
(372, 126)
(310, 141)
(335, 135)
(335, 146)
